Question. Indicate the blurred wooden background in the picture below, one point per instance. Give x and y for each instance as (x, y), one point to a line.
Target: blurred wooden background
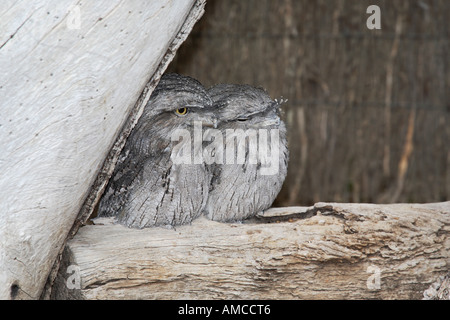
(368, 111)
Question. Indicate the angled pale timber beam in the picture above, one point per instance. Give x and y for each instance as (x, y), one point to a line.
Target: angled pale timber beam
(74, 78)
(328, 251)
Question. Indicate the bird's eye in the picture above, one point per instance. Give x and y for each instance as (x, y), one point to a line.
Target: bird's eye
(181, 111)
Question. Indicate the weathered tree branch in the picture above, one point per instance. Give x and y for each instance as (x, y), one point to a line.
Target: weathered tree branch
(328, 251)
(105, 173)
(71, 73)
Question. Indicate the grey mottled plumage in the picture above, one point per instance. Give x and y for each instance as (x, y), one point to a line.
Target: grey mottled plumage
(147, 188)
(239, 191)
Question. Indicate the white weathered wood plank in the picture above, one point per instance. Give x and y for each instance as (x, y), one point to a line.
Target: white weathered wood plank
(340, 251)
(67, 86)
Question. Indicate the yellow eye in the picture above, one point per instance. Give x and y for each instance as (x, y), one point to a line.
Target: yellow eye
(181, 111)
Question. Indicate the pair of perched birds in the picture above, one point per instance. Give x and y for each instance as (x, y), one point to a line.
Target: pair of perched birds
(148, 188)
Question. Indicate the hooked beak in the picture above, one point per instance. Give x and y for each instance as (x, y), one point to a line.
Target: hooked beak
(210, 124)
(267, 123)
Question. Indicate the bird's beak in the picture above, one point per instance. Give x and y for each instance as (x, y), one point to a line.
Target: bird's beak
(273, 121)
(210, 124)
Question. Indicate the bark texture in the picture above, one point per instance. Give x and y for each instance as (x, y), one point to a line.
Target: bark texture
(328, 251)
(70, 75)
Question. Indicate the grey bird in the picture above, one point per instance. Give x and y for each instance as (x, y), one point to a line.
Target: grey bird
(148, 188)
(241, 189)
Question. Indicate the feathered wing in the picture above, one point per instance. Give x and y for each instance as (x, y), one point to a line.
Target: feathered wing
(128, 168)
(148, 189)
(147, 192)
(240, 191)
(165, 194)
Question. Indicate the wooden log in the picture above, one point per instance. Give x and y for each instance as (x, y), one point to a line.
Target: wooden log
(328, 251)
(439, 290)
(70, 76)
